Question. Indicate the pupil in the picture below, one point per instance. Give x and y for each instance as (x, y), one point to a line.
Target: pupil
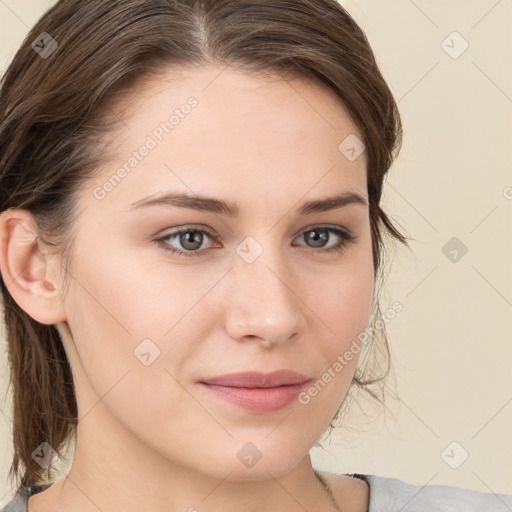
(196, 238)
(318, 235)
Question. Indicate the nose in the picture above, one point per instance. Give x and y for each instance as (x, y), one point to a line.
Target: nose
(263, 305)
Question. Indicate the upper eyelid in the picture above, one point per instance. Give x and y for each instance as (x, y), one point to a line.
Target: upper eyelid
(211, 233)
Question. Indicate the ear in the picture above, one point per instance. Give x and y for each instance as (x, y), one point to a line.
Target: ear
(23, 264)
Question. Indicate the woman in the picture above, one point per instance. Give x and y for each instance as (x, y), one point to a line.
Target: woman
(190, 239)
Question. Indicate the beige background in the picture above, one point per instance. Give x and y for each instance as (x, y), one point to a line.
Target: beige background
(452, 344)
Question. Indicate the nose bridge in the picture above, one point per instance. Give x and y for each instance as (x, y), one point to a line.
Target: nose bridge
(263, 302)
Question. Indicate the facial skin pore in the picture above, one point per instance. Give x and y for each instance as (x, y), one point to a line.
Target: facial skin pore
(149, 437)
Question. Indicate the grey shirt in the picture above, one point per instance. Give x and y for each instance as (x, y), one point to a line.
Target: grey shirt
(386, 495)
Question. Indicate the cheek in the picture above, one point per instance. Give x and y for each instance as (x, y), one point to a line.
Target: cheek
(132, 330)
(125, 366)
(350, 307)
(344, 306)
(110, 313)
(343, 300)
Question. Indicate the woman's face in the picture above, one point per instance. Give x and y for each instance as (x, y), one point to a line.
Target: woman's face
(256, 292)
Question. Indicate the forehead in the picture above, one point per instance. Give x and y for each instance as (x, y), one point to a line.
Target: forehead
(245, 134)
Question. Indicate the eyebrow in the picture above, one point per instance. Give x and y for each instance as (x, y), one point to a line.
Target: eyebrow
(213, 205)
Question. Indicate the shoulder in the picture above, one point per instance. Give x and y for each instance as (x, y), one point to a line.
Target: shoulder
(19, 502)
(387, 493)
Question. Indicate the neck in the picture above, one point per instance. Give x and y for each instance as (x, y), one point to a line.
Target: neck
(116, 482)
(328, 489)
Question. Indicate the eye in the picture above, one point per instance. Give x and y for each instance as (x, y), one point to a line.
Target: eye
(320, 234)
(191, 239)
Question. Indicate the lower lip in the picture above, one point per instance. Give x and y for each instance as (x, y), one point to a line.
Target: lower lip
(258, 399)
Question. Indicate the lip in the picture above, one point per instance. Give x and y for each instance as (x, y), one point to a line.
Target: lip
(256, 391)
(258, 379)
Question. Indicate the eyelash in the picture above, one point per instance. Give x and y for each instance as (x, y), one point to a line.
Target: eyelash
(346, 239)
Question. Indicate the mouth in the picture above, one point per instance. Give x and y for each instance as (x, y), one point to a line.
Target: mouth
(257, 392)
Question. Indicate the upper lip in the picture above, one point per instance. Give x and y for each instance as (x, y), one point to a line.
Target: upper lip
(258, 379)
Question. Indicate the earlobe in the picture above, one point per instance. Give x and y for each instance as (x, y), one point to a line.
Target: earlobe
(25, 272)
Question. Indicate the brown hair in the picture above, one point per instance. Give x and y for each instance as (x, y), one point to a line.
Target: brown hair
(54, 115)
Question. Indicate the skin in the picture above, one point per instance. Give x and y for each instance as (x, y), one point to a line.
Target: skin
(148, 436)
